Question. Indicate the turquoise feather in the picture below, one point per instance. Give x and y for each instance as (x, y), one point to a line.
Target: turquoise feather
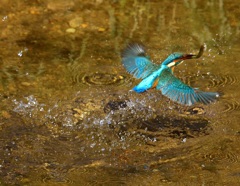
(178, 91)
(136, 62)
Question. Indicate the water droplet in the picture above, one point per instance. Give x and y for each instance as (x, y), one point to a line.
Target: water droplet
(93, 145)
(20, 53)
(184, 140)
(4, 18)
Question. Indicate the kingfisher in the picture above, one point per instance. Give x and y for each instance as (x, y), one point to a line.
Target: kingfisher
(161, 77)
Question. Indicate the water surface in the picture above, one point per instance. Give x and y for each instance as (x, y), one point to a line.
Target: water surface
(68, 117)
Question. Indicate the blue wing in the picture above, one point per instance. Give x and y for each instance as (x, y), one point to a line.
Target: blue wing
(136, 62)
(176, 90)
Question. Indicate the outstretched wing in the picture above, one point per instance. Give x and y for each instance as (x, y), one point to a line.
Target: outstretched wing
(176, 90)
(136, 62)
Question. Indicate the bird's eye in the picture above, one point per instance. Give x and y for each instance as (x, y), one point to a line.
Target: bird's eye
(171, 64)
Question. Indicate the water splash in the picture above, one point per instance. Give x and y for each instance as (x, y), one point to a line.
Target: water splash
(5, 18)
(21, 52)
(28, 107)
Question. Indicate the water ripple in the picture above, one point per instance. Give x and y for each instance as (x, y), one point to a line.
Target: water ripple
(230, 105)
(56, 179)
(99, 79)
(232, 157)
(222, 80)
(227, 156)
(212, 80)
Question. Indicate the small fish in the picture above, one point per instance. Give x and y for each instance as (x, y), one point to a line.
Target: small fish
(161, 77)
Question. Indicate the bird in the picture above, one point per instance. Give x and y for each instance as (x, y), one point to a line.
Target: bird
(161, 76)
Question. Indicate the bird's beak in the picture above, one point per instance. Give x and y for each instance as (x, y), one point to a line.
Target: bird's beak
(192, 56)
(189, 56)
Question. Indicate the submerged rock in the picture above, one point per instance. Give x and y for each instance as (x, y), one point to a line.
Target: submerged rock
(115, 105)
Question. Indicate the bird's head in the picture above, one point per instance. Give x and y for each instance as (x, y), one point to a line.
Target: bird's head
(177, 57)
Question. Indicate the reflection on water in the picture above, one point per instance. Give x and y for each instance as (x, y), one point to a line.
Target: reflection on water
(68, 116)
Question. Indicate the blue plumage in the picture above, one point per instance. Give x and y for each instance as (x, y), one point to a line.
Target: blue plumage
(172, 57)
(136, 62)
(176, 90)
(147, 82)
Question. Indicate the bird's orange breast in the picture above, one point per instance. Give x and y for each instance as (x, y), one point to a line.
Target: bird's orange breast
(155, 83)
(157, 80)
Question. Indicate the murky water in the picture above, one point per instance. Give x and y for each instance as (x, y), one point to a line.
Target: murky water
(68, 117)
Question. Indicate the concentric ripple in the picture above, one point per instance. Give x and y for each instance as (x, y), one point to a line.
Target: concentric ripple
(212, 80)
(55, 179)
(99, 79)
(232, 157)
(228, 155)
(222, 80)
(231, 105)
